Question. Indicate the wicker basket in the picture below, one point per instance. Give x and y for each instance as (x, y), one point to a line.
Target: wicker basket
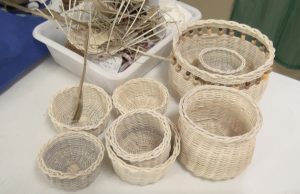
(239, 40)
(221, 60)
(96, 110)
(144, 175)
(71, 160)
(141, 137)
(141, 93)
(218, 126)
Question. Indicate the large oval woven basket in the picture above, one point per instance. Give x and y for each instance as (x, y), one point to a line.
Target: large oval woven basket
(238, 56)
(218, 126)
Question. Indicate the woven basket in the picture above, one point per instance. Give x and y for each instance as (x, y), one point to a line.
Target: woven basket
(221, 60)
(141, 93)
(239, 40)
(141, 138)
(71, 160)
(144, 175)
(218, 126)
(96, 110)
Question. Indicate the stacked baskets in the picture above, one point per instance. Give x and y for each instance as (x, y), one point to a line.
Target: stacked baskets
(217, 52)
(217, 123)
(218, 126)
(142, 145)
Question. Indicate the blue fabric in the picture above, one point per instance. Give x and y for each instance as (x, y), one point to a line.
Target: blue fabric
(19, 51)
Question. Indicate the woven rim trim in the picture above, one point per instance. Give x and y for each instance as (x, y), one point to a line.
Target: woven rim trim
(176, 150)
(236, 54)
(227, 79)
(64, 175)
(111, 137)
(118, 105)
(87, 127)
(209, 135)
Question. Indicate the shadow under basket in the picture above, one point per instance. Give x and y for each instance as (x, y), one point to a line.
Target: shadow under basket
(141, 138)
(141, 93)
(144, 175)
(72, 160)
(218, 126)
(96, 109)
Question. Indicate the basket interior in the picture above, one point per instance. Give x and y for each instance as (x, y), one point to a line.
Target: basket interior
(221, 60)
(221, 113)
(191, 46)
(94, 107)
(71, 155)
(140, 94)
(139, 133)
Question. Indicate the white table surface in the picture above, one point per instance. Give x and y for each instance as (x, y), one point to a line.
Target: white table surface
(25, 127)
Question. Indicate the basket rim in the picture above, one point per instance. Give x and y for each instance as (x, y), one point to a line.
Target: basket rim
(215, 70)
(202, 131)
(171, 159)
(163, 90)
(227, 79)
(111, 137)
(66, 175)
(86, 127)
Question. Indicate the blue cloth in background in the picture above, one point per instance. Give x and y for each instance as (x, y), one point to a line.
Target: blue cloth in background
(19, 51)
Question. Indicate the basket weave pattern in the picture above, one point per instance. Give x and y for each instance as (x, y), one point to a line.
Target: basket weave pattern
(218, 126)
(185, 71)
(95, 115)
(144, 175)
(141, 94)
(141, 137)
(71, 160)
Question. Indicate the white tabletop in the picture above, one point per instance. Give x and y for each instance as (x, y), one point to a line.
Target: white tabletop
(25, 127)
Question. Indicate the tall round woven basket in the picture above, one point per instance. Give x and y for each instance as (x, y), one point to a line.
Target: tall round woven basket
(218, 52)
(218, 126)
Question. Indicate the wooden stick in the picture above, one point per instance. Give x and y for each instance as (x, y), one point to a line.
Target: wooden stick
(150, 55)
(79, 104)
(138, 13)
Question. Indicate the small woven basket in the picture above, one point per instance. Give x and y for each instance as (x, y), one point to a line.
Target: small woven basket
(95, 114)
(71, 160)
(141, 137)
(218, 52)
(218, 126)
(144, 175)
(221, 60)
(141, 94)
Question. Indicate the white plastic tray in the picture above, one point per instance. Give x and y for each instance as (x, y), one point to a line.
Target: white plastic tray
(49, 34)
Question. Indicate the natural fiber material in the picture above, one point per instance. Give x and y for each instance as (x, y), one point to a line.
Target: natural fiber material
(141, 93)
(71, 160)
(144, 175)
(186, 72)
(96, 110)
(141, 137)
(221, 60)
(218, 126)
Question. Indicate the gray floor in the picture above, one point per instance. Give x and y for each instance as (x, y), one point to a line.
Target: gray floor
(221, 9)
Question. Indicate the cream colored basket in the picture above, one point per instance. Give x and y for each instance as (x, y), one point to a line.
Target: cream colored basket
(71, 160)
(141, 138)
(144, 175)
(218, 126)
(233, 55)
(141, 93)
(96, 110)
